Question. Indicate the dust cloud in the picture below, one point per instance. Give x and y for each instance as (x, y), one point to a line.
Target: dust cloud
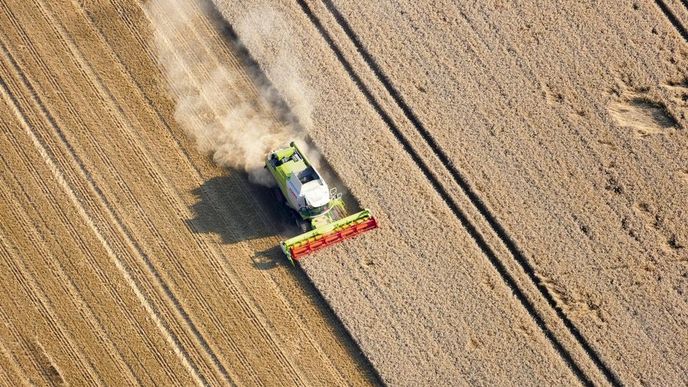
(229, 116)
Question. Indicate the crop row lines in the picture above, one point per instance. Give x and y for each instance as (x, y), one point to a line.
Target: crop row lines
(462, 182)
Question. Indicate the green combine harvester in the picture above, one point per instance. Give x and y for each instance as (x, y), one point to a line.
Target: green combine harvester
(321, 212)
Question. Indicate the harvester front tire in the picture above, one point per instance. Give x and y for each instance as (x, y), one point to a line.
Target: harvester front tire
(301, 224)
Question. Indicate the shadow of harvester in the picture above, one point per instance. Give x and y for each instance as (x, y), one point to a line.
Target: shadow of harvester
(227, 205)
(237, 210)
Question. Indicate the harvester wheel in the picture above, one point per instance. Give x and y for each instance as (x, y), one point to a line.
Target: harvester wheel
(301, 224)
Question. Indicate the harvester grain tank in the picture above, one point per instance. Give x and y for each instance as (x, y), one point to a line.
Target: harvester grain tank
(319, 209)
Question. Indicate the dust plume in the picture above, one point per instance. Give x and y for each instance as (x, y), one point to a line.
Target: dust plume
(229, 116)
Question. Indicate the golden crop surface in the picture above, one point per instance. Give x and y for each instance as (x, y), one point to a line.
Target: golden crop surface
(527, 163)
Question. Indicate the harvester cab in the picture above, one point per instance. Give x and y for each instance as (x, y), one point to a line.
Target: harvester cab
(320, 209)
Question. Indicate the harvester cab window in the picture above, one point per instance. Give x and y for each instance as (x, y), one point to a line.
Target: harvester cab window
(307, 175)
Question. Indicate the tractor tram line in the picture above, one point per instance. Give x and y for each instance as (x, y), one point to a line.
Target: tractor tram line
(475, 200)
(672, 18)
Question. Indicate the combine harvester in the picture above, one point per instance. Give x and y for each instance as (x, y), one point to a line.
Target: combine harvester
(321, 211)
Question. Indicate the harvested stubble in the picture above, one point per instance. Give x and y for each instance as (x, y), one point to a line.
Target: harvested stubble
(126, 256)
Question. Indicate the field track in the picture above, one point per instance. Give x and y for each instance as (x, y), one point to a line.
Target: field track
(387, 60)
(476, 201)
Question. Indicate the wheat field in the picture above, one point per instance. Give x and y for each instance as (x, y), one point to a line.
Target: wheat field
(527, 163)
